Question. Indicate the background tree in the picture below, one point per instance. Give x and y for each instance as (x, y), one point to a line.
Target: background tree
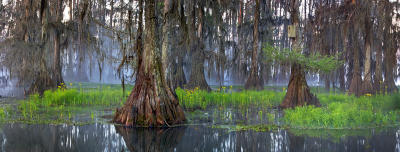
(254, 81)
(151, 102)
(197, 77)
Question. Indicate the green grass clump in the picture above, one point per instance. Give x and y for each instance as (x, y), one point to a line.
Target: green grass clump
(195, 99)
(67, 104)
(342, 111)
(73, 97)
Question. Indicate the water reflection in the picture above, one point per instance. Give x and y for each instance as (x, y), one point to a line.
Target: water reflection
(151, 139)
(23, 138)
(107, 137)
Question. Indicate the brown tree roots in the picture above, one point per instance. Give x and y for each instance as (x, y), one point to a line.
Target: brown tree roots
(298, 92)
(150, 105)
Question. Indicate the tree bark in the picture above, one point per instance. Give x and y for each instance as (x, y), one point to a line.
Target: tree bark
(378, 79)
(342, 69)
(254, 80)
(57, 69)
(298, 92)
(42, 81)
(366, 87)
(221, 48)
(168, 6)
(151, 102)
(356, 81)
(57, 64)
(176, 75)
(390, 62)
(390, 52)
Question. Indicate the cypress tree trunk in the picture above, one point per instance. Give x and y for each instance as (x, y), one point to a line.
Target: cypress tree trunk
(356, 81)
(57, 54)
(167, 14)
(390, 51)
(327, 82)
(197, 77)
(342, 69)
(298, 92)
(254, 81)
(42, 79)
(221, 48)
(151, 102)
(378, 80)
(390, 62)
(176, 75)
(367, 83)
(56, 59)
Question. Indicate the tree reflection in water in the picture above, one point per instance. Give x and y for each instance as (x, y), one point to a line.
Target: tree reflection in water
(108, 137)
(151, 139)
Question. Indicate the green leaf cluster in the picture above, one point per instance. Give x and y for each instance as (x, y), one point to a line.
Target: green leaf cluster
(314, 62)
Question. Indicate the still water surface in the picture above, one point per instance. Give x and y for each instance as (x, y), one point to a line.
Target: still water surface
(108, 137)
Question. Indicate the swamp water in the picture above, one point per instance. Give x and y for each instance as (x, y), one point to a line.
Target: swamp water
(108, 137)
(214, 129)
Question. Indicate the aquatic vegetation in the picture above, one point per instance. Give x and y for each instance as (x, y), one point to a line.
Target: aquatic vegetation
(341, 111)
(195, 99)
(2, 113)
(66, 105)
(76, 104)
(271, 117)
(72, 97)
